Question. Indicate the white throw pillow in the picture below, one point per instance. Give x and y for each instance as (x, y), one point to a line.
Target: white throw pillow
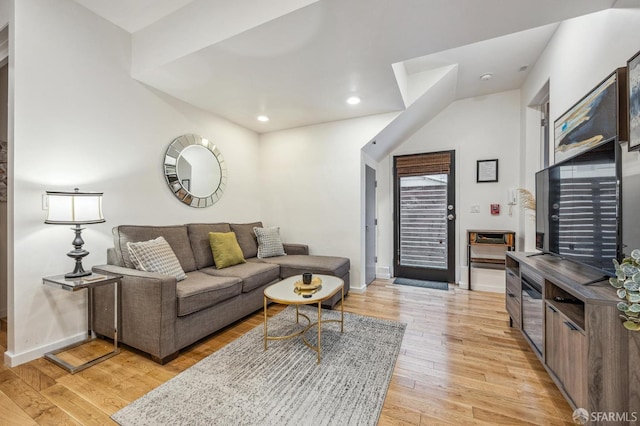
(269, 242)
(155, 256)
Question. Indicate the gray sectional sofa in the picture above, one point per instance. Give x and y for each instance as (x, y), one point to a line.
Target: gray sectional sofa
(160, 316)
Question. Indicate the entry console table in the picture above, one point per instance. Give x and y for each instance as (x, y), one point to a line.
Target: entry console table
(576, 332)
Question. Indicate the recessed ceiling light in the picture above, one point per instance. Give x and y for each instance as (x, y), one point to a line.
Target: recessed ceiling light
(263, 118)
(486, 76)
(353, 100)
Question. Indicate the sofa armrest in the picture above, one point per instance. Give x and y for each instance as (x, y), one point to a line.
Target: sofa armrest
(112, 257)
(296, 248)
(147, 307)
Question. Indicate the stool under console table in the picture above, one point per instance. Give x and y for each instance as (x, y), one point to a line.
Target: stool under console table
(75, 284)
(577, 334)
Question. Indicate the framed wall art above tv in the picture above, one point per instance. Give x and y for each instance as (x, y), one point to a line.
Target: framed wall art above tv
(598, 116)
(633, 84)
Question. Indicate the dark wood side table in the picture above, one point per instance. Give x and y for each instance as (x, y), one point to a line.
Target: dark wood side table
(74, 284)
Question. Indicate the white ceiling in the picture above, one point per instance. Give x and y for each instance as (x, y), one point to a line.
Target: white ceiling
(297, 61)
(133, 15)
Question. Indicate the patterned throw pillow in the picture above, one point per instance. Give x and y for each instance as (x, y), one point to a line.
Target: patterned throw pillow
(269, 242)
(156, 256)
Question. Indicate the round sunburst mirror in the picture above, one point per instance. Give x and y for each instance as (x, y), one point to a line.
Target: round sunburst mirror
(195, 171)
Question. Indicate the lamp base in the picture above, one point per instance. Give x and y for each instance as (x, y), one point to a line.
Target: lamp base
(77, 274)
(78, 253)
(78, 271)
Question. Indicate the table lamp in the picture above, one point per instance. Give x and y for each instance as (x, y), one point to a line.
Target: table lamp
(75, 208)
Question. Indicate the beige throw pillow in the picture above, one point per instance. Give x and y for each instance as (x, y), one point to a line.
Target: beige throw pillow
(156, 256)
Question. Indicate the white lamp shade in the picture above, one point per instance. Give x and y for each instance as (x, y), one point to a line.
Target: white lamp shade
(74, 207)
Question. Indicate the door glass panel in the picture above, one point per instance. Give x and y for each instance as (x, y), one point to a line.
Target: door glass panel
(423, 221)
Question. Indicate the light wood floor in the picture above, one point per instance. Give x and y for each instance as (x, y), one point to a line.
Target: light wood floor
(460, 364)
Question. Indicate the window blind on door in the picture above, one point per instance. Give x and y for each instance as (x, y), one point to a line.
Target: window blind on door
(423, 164)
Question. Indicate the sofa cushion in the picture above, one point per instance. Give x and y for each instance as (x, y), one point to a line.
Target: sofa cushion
(246, 238)
(269, 242)
(176, 236)
(199, 238)
(297, 264)
(200, 291)
(252, 274)
(155, 256)
(290, 248)
(225, 248)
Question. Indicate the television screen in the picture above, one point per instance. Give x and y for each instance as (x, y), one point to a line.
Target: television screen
(578, 208)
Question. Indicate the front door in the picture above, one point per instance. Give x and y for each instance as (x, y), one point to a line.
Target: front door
(425, 216)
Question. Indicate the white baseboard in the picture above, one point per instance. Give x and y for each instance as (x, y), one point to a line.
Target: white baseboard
(488, 288)
(12, 359)
(383, 273)
(357, 290)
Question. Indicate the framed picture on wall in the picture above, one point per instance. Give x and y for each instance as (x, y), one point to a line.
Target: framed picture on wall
(598, 116)
(487, 171)
(633, 89)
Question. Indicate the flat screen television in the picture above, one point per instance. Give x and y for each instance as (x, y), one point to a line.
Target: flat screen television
(579, 205)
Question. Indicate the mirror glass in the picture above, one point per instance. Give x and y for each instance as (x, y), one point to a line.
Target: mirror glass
(195, 170)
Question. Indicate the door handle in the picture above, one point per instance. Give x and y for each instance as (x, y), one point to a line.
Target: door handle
(451, 216)
(571, 326)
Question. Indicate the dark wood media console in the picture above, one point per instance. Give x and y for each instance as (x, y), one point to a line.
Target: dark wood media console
(576, 332)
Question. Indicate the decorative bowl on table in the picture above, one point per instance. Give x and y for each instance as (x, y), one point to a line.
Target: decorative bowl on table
(315, 283)
(306, 290)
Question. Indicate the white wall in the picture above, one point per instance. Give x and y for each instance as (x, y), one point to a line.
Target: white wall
(311, 186)
(531, 161)
(81, 121)
(582, 53)
(479, 128)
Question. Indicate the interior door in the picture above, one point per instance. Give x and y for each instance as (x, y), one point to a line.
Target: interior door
(370, 225)
(425, 216)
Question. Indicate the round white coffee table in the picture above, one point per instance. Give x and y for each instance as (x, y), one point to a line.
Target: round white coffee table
(284, 292)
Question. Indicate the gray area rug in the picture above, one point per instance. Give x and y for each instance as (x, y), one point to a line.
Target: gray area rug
(241, 384)
(438, 285)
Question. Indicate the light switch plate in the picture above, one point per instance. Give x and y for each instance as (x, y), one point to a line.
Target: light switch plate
(475, 209)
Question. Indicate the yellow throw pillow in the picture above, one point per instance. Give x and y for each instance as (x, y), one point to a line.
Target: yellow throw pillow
(225, 248)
